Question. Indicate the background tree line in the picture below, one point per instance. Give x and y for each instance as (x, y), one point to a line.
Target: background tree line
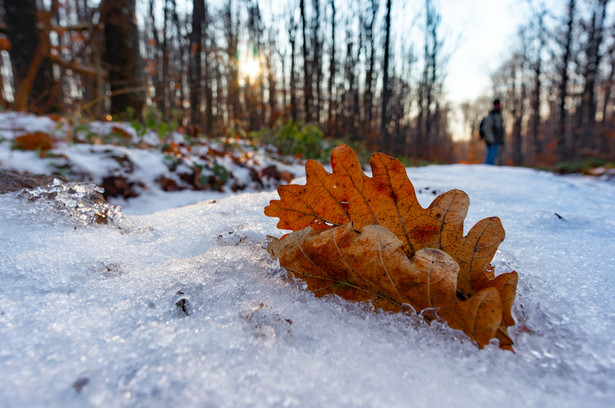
(557, 85)
(341, 65)
(360, 73)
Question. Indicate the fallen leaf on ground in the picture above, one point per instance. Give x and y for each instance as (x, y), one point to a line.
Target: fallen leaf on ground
(368, 239)
(371, 265)
(34, 141)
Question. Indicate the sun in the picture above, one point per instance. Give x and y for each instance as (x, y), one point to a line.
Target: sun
(250, 68)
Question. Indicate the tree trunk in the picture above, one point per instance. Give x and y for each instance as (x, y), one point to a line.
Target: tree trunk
(317, 60)
(356, 101)
(292, 35)
(608, 88)
(518, 101)
(348, 101)
(271, 82)
(608, 92)
(155, 57)
(122, 56)
(166, 91)
(331, 122)
(232, 39)
(384, 136)
(563, 85)
(196, 57)
(307, 79)
(369, 74)
(431, 55)
(209, 79)
(585, 134)
(537, 91)
(35, 87)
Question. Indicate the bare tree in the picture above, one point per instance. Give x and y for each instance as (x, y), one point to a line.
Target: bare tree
(607, 116)
(292, 35)
(166, 91)
(585, 133)
(350, 97)
(231, 25)
(427, 127)
(307, 76)
(331, 117)
(368, 28)
(123, 57)
(36, 88)
(537, 68)
(564, 73)
(271, 79)
(316, 63)
(384, 136)
(154, 56)
(196, 58)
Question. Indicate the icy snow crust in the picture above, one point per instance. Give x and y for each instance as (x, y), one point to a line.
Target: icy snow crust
(183, 307)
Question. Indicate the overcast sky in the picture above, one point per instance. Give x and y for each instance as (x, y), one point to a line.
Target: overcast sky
(482, 33)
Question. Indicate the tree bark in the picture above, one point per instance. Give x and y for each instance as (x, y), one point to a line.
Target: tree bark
(36, 88)
(585, 134)
(317, 60)
(232, 39)
(384, 136)
(196, 58)
(292, 35)
(123, 57)
(563, 85)
(307, 78)
(537, 91)
(369, 74)
(331, 122)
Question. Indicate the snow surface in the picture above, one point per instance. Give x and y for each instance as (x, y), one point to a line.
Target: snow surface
(183, 307)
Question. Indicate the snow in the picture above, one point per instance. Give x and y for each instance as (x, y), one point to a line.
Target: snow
(143, 168)
(183, 306)
(15, 123)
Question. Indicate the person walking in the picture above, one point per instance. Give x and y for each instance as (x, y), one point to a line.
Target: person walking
(492, 130)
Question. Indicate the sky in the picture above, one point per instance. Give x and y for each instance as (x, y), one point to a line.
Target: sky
(479, 36)
(482, 33)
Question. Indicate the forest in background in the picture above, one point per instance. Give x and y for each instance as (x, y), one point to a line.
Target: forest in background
(230, 68)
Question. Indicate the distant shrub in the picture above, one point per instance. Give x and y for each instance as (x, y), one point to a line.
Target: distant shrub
(294, 139)
(154, 121)
(585, 166)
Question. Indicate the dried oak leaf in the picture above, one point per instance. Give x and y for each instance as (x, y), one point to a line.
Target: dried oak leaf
(371, 265)
(388, 199)
(34, 141)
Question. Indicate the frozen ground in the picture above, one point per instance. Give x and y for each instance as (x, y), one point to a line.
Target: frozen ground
(96, 315)
(183, 307)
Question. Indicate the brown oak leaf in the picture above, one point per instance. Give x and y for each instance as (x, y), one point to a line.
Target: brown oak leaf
(349, 197)
(371, 265)
(34, 141)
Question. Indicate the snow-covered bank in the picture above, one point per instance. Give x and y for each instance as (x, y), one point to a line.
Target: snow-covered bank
(161, 172)
(183, 307)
